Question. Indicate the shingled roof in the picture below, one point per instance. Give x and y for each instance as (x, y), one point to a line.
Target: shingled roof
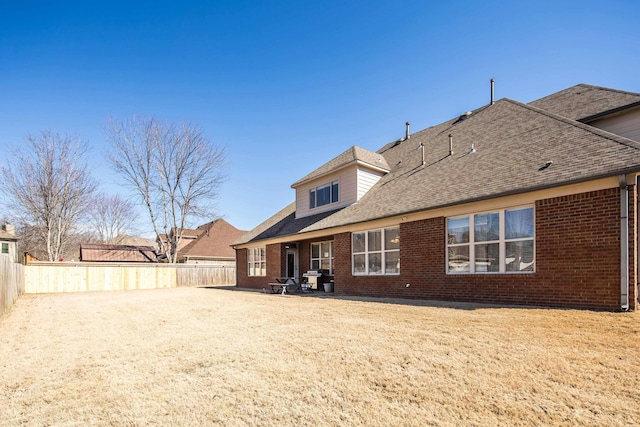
(353, 155)
(213, 240)
(583, 102)
(513, 142)
(283, 223)
(6, 236)
(117, 253)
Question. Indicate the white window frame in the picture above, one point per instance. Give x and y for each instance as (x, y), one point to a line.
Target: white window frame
(384, 252)
(334, 194)
(502, 242)
(329, 257)
(257, 261)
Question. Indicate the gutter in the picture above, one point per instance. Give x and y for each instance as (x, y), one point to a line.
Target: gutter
(624, 243)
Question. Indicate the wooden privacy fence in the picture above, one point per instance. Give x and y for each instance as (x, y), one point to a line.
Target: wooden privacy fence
(46, 277)
(11, 282)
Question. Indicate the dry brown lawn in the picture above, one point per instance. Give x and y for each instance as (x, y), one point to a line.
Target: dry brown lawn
(195, 356)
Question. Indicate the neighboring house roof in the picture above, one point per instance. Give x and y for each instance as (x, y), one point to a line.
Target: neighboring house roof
(352, 156)
(187, 233)
(583, 102)
(117, 253)
(211, 240)
(513, 142)
(7, 237)
(125, 239)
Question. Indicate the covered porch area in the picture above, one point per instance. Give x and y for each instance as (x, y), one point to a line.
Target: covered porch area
(301, 266)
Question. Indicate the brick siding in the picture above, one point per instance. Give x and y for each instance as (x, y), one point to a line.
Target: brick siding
(577, 260)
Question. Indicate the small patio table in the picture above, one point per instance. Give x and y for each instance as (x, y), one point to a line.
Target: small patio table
(287, 281)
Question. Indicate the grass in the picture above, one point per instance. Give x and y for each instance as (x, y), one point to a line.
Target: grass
(195, 356)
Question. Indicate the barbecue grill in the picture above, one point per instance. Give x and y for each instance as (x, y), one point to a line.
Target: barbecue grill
(314, 279)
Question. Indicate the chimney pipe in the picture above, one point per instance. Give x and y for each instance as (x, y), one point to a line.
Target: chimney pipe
(492, 85)
(450, 144)
(407, 135)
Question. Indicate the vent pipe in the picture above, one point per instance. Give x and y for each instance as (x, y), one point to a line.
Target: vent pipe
(450, 144)
(492, 86)
(421, 147)
(624, 243)
(407, 135)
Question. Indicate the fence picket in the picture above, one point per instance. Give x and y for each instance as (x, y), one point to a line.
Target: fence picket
(45, 277)
(12, 283)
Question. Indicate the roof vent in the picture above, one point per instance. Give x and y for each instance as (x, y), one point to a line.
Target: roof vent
(462, 117)
(546, 165)
(407, 135)
(492, 85)
(450, 144)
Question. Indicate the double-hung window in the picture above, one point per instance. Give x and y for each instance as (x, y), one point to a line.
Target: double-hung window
(323, 195)
(376, 252)
(322, 256)
(256, 261)
(5, 248)
(492, 242)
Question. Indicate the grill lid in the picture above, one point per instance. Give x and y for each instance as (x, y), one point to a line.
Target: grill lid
(312, 273)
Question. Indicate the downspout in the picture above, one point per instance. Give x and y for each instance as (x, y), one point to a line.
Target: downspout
(624, 243)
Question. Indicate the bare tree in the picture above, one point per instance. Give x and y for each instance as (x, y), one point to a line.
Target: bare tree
(111, 217)
(175, 169)
(49, 187)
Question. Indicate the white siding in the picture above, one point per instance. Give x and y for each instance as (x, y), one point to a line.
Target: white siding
(353, 183)
(346, 187)
(12, 250)
(366, 179)
(625, 124)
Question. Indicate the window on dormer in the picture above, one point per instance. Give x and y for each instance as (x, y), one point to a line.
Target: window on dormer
(323, 195)
(334, 192)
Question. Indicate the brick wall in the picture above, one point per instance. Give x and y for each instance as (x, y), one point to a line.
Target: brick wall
(276, 265)
(577, 260)
(242, 279)
(276, 262)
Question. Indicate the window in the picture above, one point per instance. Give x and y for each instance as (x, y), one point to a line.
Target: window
(322, 256)
(492, 242)
(5, 248)
(376, 252)
(323, 195)
(256, 262)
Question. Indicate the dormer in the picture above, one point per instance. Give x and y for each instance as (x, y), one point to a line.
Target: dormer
(623, 121)
(340, 182)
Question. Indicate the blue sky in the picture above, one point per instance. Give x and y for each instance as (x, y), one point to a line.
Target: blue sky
(286, 86)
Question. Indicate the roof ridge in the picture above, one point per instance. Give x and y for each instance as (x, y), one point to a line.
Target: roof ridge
(451, 122)
(606, 88)
(354, 154)
(608, 135)
(212, 222)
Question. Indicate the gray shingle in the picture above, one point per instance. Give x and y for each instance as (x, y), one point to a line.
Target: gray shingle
(283, 223)
(352, 155)
(512, 142)
(585, 101)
